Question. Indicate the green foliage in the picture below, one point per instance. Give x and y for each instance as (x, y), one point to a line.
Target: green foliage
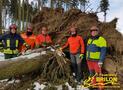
(59, 3)
(83, 3)
(104, 6)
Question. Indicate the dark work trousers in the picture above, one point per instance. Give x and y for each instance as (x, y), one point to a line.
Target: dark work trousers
(8, 56)
(76, 65)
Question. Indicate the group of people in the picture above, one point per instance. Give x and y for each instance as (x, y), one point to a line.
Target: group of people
(13, 43)
(95, 50)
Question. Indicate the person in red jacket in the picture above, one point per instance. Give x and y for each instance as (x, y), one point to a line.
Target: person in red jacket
(29, 38)
(76, 47)
(43, 39)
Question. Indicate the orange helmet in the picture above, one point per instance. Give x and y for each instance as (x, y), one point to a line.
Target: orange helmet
(13, 26)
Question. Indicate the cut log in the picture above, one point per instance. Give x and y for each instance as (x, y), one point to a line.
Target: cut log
(31, 61)
(51, 64)
(11, 68)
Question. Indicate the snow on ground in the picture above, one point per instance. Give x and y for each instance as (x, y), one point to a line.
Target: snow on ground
(69, 87)
(42, 86)
(38, 86)
(29, 56)
(5, 80)
(32, 55)
(59, 87)
(1, 56)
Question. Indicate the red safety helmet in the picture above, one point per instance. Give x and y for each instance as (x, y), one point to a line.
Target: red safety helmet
(13, 26)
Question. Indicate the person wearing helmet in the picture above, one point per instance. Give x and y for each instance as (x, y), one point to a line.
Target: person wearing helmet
(11, 42)
(43, 40)
(96, 51)
(76, 47)
(29, 38)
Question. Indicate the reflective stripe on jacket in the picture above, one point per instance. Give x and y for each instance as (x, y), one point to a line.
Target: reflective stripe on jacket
(30, 40)
(96, 49)
(11, 43)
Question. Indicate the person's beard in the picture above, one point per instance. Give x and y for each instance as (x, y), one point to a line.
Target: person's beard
(95, 37)
(74, 34)
(12, 33)
(28, 33)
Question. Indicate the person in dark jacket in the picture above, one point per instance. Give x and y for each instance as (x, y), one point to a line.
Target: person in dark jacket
(11, 42)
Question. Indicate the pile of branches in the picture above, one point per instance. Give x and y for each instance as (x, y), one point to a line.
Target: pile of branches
(56, 69)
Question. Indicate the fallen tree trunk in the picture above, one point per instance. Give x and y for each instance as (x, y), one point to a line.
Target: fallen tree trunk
(19, 67)
(52, 67)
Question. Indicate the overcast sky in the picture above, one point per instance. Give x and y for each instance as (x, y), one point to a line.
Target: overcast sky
(115, 10)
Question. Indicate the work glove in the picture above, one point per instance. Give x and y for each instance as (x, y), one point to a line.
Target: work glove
(60, 48)
(1, 48)
(37, 46)
(100, 64)
(81, 56)
(28, 46)
(44, 44)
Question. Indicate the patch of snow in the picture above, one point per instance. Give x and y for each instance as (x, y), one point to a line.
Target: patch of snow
(1, 56)
(43, 53)
(69, 87)
(79, 87)
(17, 81)
(11, 82)
(53, 50)
(5, 80)
(32, 55)
(59, 87)
(42, 86)
(38, 86)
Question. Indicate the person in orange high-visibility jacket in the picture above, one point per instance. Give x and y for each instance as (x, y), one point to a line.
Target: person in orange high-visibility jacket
(43, 39)
(29, 38)
(76, 47)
